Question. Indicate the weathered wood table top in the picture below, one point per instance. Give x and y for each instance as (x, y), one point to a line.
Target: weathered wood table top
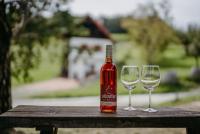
(90, 117)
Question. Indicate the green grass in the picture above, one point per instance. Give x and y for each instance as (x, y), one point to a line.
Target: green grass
(126, 53)
(49, 66)
(181, 101)
(172, 59)
(94, 90)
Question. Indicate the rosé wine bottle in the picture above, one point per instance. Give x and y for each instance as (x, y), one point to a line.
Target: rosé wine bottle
(108, 84)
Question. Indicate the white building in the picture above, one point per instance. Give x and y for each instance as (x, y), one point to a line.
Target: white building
(87, 54)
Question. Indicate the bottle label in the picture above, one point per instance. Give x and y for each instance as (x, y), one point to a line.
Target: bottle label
(108, 97)
(105, 103)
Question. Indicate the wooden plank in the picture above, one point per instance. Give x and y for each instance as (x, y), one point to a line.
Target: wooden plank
(90, 117)
(193, 130)
(60, 111)
(47, 130)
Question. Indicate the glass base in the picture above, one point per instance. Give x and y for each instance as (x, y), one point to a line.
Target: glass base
(150, 110)
(129, 109)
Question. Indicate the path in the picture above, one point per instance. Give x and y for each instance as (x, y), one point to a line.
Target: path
(137, 100)
(21, 94)
(44, 87)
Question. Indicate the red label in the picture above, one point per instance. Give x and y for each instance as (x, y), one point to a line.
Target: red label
(108, 96)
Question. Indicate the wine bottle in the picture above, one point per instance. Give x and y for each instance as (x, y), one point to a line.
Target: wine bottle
(108, 84)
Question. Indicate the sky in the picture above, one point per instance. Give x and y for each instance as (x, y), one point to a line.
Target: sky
(184, 12)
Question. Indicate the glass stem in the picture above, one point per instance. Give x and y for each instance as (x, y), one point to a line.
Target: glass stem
(129, 104)
(149, 98)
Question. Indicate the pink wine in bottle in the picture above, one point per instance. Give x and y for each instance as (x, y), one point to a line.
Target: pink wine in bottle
(108, 84)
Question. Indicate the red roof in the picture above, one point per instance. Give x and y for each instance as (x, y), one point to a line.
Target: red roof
(96, 28)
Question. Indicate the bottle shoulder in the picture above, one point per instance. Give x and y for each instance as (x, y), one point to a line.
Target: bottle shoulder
(109, 66)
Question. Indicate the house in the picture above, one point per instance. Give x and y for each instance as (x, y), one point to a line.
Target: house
(87, 53)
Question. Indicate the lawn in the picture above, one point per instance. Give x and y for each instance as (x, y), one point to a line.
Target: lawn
(186, 100)
(49, 66)
(173, 59)
(126, 53)
(94, 90)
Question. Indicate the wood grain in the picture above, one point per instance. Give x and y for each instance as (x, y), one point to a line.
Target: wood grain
(90, 117)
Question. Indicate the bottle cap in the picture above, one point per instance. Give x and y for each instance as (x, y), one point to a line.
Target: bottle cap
(109, 51)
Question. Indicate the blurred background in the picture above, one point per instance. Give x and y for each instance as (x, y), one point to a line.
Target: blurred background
(51, 52)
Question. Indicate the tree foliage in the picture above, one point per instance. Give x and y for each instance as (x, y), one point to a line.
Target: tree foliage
(190, 39)
(114, 24)
(194, 46)
(184, 39)
(150, 30)
(22, 28)
(35, 33)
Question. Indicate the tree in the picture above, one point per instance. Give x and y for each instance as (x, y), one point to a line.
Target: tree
(184, 39)
(190, 39)
(60, 26)
(193, 34)
(5, 39)
(64, 26)
(22, 26)
(150, 30)
(114, 24)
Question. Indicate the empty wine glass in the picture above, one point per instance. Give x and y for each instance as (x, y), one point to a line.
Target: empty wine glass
(150, 79)
(129, 79)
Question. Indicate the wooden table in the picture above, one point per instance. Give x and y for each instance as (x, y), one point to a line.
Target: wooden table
(47, 118)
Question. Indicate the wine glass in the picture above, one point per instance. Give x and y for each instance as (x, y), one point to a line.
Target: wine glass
(129, 79)
(150, 78)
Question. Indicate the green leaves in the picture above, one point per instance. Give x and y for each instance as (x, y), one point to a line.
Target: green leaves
(190, 39)
(150, 31)
(31, 31)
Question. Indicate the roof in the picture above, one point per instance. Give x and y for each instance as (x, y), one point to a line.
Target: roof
(96, 28)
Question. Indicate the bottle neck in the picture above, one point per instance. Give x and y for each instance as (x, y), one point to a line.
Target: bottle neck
(108, 54)
(108, 60)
